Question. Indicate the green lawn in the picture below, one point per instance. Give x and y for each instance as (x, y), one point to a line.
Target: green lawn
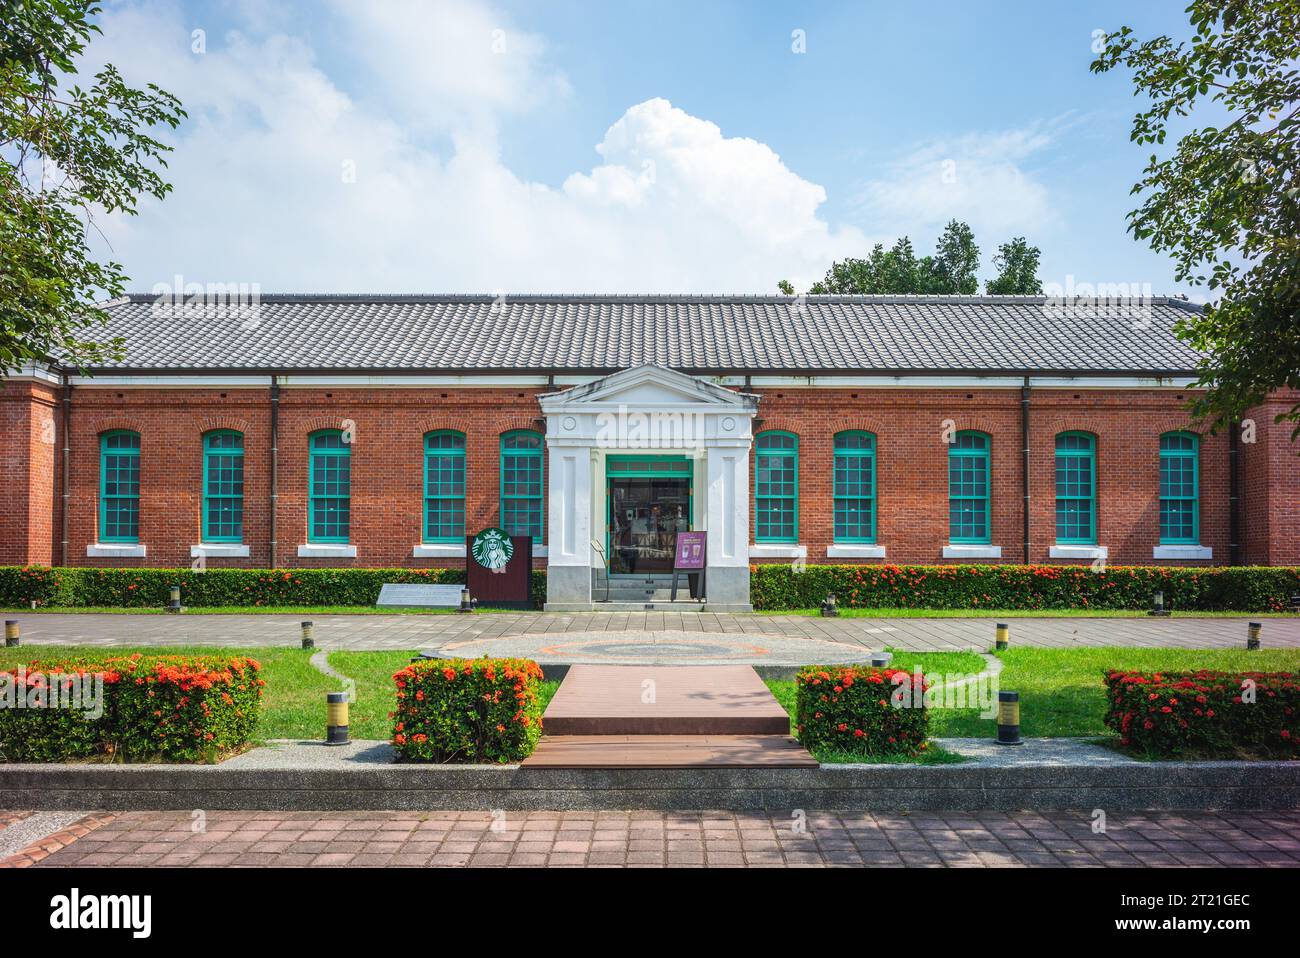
(1061, 691)
(294, 703)
(253, 610)
(891, 613)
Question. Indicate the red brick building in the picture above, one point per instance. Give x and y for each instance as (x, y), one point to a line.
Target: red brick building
(376, 431)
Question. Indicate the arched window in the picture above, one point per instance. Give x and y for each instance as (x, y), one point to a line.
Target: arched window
(521, 483)
(329, 509)
(968, 488)
(1076, 488)
(776, 487)
(444, 487)
(1180, 520)
(223, 486)
(119, 486)
(855, 487)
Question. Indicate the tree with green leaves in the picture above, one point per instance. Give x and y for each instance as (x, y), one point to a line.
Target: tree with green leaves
(1017, 266)
(898, 270)
(67, 152)
(1226, 202)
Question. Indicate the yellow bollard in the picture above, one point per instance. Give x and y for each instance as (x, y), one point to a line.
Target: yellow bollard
(11, 633)
(1002, 637)
(336, 722)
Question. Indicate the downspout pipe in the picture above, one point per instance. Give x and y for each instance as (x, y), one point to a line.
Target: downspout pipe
(63, 471)
(275, 465)
(1234, 495)
(1024, 436)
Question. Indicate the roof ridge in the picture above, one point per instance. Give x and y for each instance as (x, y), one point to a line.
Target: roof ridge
(918, 299)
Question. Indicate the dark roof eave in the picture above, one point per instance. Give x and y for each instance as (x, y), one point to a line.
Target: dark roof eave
(606, 371)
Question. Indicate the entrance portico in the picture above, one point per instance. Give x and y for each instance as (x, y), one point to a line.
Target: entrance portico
(667, 451)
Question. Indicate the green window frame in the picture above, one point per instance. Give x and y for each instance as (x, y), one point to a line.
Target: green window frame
(223, 486)
(855, 486)
(1076, 488)
(523, 476)
(444, 486)
(1180, 490)
(329, 507)
(119, 486)
(968, 488)
(776, 487)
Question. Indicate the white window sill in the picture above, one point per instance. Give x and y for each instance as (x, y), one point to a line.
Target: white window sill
(861, 550)
(438, 550)
(1182, 552)
(115, 550)
(972, 551)
(777, 550)
(325, 550)
(1078, 551)
(219, 549)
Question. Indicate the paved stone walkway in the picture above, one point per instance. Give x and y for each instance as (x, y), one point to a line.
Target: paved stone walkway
(656, 839)
(509, 633)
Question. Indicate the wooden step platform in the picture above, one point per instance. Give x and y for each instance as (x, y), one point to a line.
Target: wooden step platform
(669, 751)
(664, 700)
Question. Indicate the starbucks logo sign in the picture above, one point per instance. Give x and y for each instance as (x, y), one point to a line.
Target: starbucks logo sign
(493, 549)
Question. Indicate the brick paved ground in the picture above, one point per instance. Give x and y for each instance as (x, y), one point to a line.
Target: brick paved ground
(475, 634)
(653, 839)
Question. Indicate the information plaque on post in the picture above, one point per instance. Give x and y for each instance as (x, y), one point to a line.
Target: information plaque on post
(689, 557)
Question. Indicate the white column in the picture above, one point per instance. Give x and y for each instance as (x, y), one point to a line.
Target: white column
(728, 505)
(569, 501)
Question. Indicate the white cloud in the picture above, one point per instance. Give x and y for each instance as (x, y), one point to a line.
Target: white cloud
(260, 192)
(984, 179)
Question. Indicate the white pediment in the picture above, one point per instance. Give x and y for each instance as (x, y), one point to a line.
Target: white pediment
(648, 387)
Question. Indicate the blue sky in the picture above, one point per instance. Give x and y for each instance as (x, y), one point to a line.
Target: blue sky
(727, 160)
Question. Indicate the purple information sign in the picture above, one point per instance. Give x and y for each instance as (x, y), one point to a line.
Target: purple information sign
(690, 550)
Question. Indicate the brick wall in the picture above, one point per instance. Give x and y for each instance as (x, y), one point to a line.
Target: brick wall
(1270, 465)
(912, 465)
(28, 450)
(387, 467)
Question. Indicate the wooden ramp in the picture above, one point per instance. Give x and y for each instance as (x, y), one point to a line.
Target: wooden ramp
(632, 716)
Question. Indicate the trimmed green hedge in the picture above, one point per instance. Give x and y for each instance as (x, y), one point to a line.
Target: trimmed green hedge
(1206, 714)
(773, 587)
(129, 708)
(859, 710)
(467, 710)
(1230, 588)
(149, 588)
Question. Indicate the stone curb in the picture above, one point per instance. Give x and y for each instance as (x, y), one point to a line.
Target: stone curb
(1154, 786)
(44, 847)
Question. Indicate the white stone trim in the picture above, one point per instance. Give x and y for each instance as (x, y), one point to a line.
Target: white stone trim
(860, 550)
(777, 550)
(1078, 551)
(327, 550)
(969, 550)
(115, 550)
(1182, 552)
(438, 550)
(488, 381)
(219, 549)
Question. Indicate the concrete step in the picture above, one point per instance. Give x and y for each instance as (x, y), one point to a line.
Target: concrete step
(669, 751)
(615, 700)
(657, 605)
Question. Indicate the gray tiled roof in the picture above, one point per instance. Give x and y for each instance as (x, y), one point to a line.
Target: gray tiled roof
(557, 333)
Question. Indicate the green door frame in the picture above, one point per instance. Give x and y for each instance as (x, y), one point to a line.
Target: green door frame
(656, 467)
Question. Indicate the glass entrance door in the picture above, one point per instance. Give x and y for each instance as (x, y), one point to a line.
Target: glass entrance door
(649, 503)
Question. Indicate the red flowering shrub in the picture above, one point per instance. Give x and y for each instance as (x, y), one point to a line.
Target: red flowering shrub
(467, 710)
(860, 710)
(1233, 588)
(168, 707)
(1206, 714)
